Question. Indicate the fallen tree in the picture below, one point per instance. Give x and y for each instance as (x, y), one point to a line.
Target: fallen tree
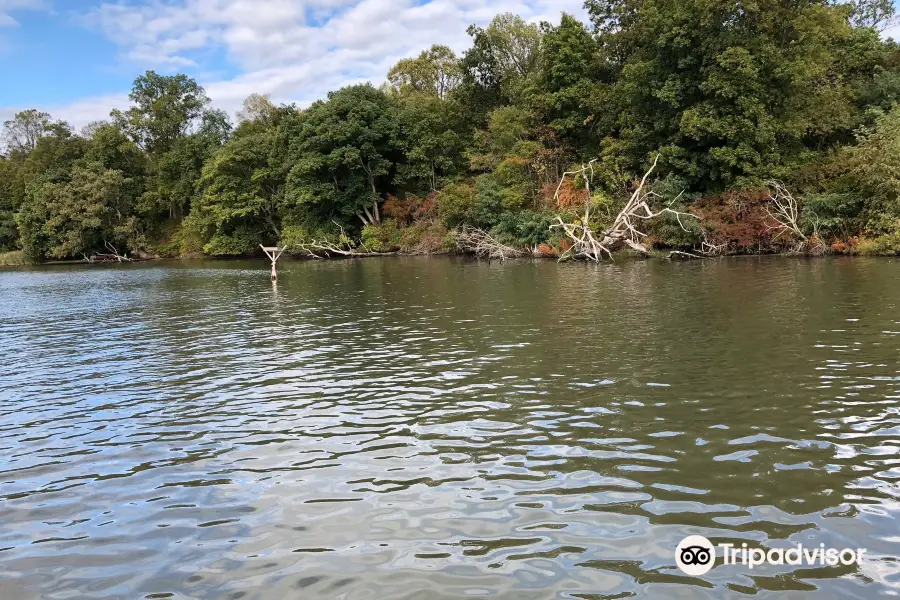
(785, 215)
(625, 229)
(111, 256)
(481, 244)
(325, 248)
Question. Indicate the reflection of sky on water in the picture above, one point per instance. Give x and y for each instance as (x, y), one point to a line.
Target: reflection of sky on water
(387, 428)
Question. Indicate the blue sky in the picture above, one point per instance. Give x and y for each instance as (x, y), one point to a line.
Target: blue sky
(77, 58)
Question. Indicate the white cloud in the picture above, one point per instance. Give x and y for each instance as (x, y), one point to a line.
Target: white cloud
(295, 50)
(7, 6)
(78, 113)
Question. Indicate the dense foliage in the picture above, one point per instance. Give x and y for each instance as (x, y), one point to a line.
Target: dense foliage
(729, 95)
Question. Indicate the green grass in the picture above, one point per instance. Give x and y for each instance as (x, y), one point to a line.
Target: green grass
(14, 259)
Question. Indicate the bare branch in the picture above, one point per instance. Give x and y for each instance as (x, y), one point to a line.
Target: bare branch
(786, 211)
(480, 243)
(623, 231)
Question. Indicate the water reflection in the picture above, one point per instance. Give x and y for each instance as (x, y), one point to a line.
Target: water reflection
(428, 428)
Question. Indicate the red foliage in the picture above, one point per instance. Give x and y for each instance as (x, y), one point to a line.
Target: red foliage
(739, 220)
(569, 196)
(547, 250)
(410, 208)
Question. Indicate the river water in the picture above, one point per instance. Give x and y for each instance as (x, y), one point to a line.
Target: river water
(445, 428)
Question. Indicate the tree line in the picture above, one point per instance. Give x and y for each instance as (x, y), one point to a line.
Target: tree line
(725, 97)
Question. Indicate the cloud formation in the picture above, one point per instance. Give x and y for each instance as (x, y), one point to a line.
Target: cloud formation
(295, 50)
(7, 6)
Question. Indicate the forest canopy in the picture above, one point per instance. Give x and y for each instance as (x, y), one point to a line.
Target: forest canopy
(726, 97)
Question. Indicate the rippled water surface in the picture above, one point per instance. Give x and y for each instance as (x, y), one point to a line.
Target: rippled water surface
(440, 428)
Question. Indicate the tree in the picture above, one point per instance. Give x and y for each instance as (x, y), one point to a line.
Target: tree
(435, 71)
(729, 92)
(9, 234)
(871, 170)
(256, 107)
(343, 154)
(165, 108)
(432, 141)
(877, 14)
(78, 216)
(497, 66)
(568, 93)
(242, 192)
(22, 132)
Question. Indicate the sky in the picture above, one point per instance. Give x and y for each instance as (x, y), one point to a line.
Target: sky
(76, 59)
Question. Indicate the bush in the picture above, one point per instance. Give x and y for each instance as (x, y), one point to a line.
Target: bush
(526, 228)
(455, 202)
(833, 215)
(427, 237)
(382, 237)
(15, 258)
(242, 240)
(738, 221)
(884, 245)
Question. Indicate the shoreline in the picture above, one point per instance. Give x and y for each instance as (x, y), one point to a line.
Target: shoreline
(662, 256)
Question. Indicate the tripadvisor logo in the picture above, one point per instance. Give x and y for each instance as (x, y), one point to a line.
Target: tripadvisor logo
(696, 555)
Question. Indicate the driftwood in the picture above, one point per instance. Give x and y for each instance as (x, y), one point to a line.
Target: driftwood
(325, 248)
(625, 229)
(481, 244)
(111, 256)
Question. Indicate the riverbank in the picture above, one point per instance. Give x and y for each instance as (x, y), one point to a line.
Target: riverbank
(17, 259)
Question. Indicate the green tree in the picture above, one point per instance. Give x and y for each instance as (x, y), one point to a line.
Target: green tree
(435, 71)
(9, 233)
(343, 154)
(22, 132)
(76, 217)
(728, 91)
(164, 109)
(241, 202)
(432, 139)
(871, 170)
(569, 94)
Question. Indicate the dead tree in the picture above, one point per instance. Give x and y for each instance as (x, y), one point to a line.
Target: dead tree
(111, 256)
(325, 248)
(481, 244)
(625, 229)
(785, 213)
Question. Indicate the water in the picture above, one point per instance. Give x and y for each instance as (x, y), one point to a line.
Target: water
(441, 428)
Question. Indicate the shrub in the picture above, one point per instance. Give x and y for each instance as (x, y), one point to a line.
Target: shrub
(832, 215)
(883, 245)
(478, 205)
(455, 202)
(526, 228)
(427, 237)
(382, 237)
(739, 221)
(15, 258)
(242, 240)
